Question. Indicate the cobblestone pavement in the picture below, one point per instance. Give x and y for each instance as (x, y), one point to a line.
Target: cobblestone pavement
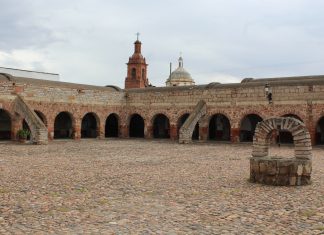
(149, 187)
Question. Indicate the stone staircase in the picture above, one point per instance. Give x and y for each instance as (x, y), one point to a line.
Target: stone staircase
(186, 130)
(39, 133)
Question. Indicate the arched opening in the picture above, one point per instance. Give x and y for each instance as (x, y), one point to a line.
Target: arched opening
(25, 126)
(5, 125)
(247, 128)
(143, 74)
(319, 138)
(63, 127)
(136, 126)
(161, 126)
(182, 120)
(133, 73)
(41, 116)
(111, 127)
(285, 137)
(219, 128)
(89, 126)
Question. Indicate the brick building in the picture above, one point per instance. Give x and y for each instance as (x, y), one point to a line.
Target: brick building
(216, 112)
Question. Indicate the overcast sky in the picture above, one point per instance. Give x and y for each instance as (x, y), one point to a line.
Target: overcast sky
(89, 41)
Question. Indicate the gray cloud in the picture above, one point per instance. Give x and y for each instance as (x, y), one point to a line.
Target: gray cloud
(90, 41)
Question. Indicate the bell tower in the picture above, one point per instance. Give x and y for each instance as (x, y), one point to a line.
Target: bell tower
(136, 69)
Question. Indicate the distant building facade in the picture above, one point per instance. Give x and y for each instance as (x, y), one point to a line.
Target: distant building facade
(180, 77)
(30, 74)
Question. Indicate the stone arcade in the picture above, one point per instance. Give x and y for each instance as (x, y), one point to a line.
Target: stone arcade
(216, 112)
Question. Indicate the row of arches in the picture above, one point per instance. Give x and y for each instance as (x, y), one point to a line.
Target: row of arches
(219, 128)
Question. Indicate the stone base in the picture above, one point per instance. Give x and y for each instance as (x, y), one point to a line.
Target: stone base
(280, 171)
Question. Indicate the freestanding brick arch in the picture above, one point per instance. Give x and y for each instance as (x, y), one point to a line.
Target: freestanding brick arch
(277, 170)
(301, 136)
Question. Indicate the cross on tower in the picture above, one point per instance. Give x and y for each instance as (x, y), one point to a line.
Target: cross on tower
(137, 35)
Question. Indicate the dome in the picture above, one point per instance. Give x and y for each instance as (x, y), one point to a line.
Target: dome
(180, 77)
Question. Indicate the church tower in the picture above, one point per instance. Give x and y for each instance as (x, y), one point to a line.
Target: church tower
(136, 69)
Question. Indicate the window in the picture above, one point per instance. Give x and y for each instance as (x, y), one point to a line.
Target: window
(133, 73)
(143, 73)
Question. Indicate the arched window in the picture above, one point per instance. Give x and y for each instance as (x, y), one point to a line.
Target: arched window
(133, 73)
(143, 73)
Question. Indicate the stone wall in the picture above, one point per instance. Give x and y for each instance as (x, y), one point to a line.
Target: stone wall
(235, 101)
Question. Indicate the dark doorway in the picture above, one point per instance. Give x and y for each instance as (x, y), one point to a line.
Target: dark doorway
(248, 125)
(161, 127)
(319, 138)
(136, 126)
(111, 128)
(195, 133)
(41, 117)
(25, 126)
(89, 126)
(285, 137)
(5, 125)
(219, 128)
(63, 128)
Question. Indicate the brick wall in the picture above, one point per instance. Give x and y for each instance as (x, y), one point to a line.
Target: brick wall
(235, 101)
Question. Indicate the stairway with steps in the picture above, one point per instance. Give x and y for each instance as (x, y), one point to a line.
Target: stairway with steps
(39, 133)
(186, 130)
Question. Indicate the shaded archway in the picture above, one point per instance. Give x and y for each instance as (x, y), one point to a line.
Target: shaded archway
(219, 128)
(89, 126)
(63, 126)
(5, 125)
(285, 137)
(247, 127)
(161, 126)
(41, 116)
(182, 120)
(319, 136)
(25, 126)
(111, 127)
(136, 126)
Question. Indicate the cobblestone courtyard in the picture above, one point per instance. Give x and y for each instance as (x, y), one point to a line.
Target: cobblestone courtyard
(149, 187)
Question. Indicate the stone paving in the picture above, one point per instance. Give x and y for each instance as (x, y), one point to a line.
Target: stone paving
(149, 187)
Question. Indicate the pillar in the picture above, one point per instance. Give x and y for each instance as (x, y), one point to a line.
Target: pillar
(123, 131)
(77, 129)
(235, 135)
(148, 132)
(173, 132)
(203, 133)
(101, 131)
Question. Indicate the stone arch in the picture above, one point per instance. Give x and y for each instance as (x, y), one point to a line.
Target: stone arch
(274, 170)
(319, 131)
(284, 136)
(219, 128)
(90, 125)
(301, 136)
(247, 126)
(136, 126)
(5, 125)
(112, 125)
(181, 121)
(161, 126)
(41, 116)
(64, 126)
